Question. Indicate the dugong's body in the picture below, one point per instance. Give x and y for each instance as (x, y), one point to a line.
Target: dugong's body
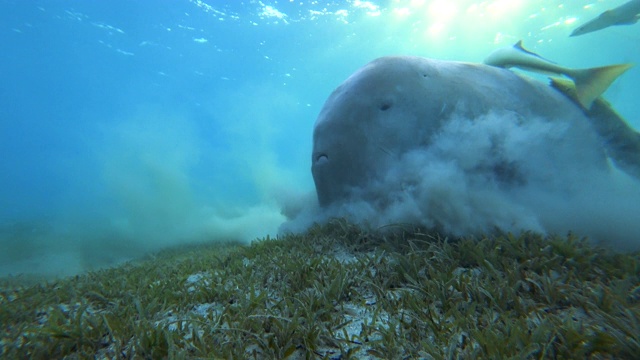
(396, 104)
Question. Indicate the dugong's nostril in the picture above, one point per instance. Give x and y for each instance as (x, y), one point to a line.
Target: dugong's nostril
(322, 158)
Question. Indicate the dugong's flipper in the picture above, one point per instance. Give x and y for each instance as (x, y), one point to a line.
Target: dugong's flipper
(621, 142)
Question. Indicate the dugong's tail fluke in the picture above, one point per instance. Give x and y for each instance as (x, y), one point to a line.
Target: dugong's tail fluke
(591, 83)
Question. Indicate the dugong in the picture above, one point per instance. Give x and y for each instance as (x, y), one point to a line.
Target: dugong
(397, 104)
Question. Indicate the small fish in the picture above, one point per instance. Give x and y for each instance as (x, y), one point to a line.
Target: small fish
(590, 83)
(625, 14)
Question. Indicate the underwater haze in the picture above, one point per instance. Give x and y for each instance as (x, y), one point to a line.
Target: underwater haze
(130, 126)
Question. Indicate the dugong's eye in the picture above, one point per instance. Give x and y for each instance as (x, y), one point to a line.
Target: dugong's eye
(385, 106)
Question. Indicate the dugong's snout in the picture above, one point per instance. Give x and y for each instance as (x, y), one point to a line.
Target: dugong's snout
(334, 175)
(323, 177)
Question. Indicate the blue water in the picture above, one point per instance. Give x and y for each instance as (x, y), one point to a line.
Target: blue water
(128, 126)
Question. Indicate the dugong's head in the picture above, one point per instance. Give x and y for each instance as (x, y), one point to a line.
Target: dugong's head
(379, 112)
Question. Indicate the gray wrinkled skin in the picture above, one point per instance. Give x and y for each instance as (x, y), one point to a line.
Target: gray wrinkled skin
(395, 104)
